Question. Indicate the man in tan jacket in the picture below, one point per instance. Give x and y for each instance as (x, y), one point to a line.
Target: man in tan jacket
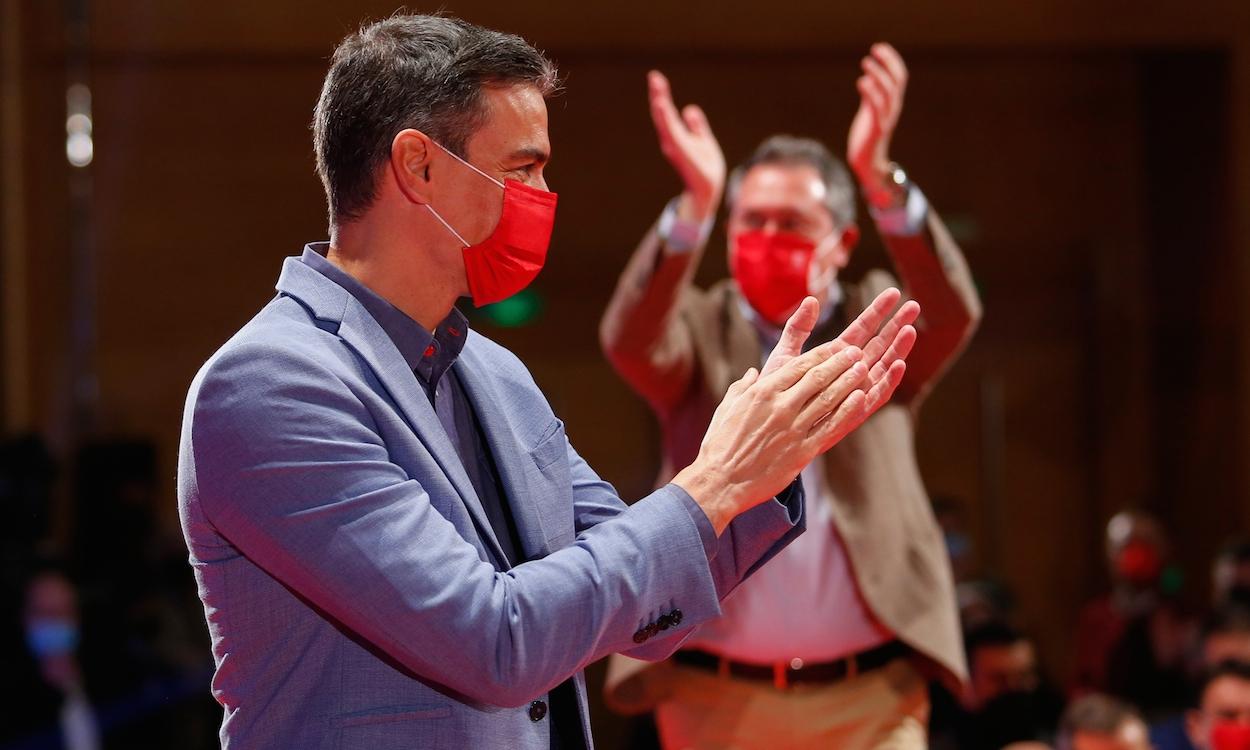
(830, 644)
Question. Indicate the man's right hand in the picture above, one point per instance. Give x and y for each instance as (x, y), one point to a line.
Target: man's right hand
(686, 140)
(771, 425)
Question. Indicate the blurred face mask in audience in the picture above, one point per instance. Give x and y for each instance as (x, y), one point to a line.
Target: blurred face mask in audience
(1230, 735)
(1139, 562)
(48, 637)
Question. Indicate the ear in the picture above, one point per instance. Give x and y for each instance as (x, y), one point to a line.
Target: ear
(411, 153)
(846, 244)
(1193, 728)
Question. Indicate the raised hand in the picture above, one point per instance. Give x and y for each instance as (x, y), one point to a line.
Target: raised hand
(881, 89)
(686, 140)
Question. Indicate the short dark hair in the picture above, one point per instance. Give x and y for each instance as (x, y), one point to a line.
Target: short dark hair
(992, 633)
(1096, 713)
(410, 71)
(792, 151)
(1228, 619)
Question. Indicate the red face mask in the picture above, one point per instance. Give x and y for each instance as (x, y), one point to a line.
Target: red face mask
(1139, 562)
(1230, 735)
(772, 271)
(512, 255)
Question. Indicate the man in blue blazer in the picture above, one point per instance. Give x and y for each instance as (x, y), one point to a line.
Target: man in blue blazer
(395, 543)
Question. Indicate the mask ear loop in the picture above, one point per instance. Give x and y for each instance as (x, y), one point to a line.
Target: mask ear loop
(831, 239)
(467, 164)
(443, 221)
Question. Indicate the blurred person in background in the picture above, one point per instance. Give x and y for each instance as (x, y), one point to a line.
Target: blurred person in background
(1220, 719)
(1007, 699)
(1225, 638)
(1133, 641)
(832, 643)
(1101, 722)
(1230, 575)
(46, 703)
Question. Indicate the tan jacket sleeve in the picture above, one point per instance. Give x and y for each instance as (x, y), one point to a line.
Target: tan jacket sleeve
(934, 273)
(642, 333)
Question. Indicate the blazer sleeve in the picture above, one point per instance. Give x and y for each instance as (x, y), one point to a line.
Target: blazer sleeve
(934, 273)
(641, 333)
(749, 541)
(288, 466)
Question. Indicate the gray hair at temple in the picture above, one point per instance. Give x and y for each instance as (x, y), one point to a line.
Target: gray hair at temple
(410, 71)
(791, 151)
(1096, 714)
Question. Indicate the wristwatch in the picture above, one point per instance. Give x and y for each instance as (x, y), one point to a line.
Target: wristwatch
(892, 192)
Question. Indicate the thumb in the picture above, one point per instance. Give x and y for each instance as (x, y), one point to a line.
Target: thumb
(795, 334)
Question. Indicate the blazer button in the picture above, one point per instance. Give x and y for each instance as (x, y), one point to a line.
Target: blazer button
(665, 622)
(538, 710)
(675, 617)
(641, 635)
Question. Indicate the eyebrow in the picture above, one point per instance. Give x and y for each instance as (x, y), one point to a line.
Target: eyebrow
(531, 153)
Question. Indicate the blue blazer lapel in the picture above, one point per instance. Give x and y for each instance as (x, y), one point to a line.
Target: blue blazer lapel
(511, 458)
(360, 331)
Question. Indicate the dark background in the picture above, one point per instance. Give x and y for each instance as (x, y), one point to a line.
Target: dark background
(1092, 158)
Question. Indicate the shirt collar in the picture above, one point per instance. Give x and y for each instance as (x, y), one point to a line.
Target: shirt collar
(428, 354)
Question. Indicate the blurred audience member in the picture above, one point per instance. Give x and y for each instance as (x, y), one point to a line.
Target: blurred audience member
(1225, 637)
(1132, 642)
(46, 704)
(1007, 701)
(1230, 575)
(1100, 722)
(1221, 719)
(953, 521)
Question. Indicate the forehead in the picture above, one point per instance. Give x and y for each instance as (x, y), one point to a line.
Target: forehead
(1131, 735)
(516, 119)
(797, 186)
(1018, 655)
(1227, 692)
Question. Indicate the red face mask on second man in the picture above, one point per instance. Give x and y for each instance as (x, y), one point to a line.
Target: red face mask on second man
(772, 271)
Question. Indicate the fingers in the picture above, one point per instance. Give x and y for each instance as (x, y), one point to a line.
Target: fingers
(881, 390)
(784, 377)
(836, 382)
(862, 329)
(873, 95)
(663, 112)
(906, 315)
(825, 433)
(794, 335)
(898, 351)
(741, 384)
(887, 56)
(821, 374)
(695, 119)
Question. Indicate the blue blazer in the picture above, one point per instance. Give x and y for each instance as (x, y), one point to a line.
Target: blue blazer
(354, 591)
